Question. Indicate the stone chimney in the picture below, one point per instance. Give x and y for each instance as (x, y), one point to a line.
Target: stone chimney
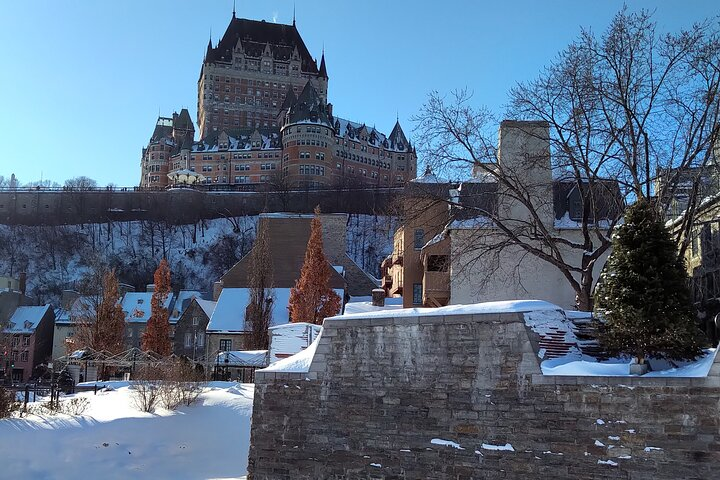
(378, 297)
(22, 281)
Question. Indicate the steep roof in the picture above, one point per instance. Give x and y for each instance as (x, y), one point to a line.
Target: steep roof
(240, 139)
(163, 129)
(255, 36)
(397, 139)
(290, 99)
(182, 121)
(309, 107)
(26, 319)
(323, 68)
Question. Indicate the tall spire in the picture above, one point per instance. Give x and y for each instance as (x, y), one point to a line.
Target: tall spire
(293, 14)
(233, 8)
(323, 68)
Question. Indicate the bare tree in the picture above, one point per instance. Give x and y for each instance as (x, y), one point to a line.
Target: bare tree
(260, 278)
(615, 110)
(81, 183)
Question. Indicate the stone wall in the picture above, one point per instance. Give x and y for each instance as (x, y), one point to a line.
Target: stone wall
(380, 390)
(178, 206)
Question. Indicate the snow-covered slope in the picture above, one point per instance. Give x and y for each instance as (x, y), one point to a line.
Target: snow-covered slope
(113, 440)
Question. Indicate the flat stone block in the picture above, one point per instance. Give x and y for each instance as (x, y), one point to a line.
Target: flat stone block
(428, 320)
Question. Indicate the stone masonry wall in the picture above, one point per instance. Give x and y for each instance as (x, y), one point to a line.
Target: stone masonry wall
(380, 390)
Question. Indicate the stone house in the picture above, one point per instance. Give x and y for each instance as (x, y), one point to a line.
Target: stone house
(435, 259)
(136, 306)
(27, 339)
(189, 337)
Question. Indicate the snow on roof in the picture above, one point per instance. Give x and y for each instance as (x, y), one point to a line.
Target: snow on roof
(507, 306)
(291, 338)
(430, 178)
(229, 314)
(471, 223)
(242, 358)
(299, 363)
(208, 306)
(364, 305)
(136, 306)
(182, 301)
(26, 319)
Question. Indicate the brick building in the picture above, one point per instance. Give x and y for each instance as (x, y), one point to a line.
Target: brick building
(264, 118)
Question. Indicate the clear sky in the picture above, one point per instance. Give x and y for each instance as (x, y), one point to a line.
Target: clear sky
(82, 82)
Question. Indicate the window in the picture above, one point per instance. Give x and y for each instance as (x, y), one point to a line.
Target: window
(225, 345)
(437, 263)
(419, 236)
(188, 339)
(417, 293)
(196, 321)
(200, 342)
(24, 356)
(15, 341)
(26, 340)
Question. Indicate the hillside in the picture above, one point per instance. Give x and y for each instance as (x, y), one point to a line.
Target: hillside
(61, 257)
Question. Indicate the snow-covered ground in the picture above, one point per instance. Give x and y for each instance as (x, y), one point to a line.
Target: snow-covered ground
(114, 440)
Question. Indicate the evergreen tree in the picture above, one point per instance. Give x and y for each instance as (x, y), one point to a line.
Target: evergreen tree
(643, 294)
(258, 313)
(312, 300)
(157, 333)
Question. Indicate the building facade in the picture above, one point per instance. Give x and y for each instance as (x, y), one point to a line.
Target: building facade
(264, 118)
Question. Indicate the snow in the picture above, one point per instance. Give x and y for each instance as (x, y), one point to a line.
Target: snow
(114, 440)
(430, 178)
(446, 443)
(652, 449)
(136, 306)
(471, 223)
(355, 305)
(598, 443)
(621, 367)
(291, 338)
(489, 446)
(207, 306)
(298, 363)
(182, 301)
(506, 306)
(229, 313)
(26, 319)
(566, 223)
(607, 462)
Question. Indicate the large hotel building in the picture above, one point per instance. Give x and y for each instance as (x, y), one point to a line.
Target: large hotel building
(264, 117)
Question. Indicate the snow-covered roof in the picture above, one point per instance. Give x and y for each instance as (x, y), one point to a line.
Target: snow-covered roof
(26, 319)
(364, 305)
(471, 223)
(136, 306)
(429, 178)
(182, 301)
(208, 306)
(229, 314)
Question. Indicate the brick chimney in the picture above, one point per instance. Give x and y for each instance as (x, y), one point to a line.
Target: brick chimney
(378, 297)
(22, 281)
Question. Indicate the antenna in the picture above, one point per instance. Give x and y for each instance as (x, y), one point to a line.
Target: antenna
(233, 8)
(293, 14)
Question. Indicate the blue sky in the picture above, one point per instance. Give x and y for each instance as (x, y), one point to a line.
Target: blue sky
(83, 81)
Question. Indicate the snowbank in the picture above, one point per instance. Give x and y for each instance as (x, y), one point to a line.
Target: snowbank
(114, 440)
(298, 363)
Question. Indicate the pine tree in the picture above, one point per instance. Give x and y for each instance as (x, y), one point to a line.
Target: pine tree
(312, 300)
(258, 313)
(157, 333)
(643, 294)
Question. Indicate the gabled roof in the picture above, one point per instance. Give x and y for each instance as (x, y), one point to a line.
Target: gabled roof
(290, 99)
(240, 139)
(163, 129)
(26, 319)
(255, 36)
(183, 121)
(207, 306)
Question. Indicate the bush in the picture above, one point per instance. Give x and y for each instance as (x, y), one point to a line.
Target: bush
(181, 385)
(8, 403)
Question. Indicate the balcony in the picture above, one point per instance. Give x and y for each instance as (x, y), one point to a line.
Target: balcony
(436, 289)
